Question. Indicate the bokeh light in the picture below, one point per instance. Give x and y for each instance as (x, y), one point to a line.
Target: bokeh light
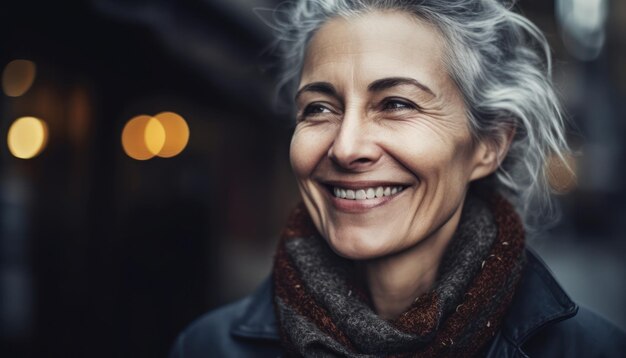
(176, 134)
(164, 135)
(27, 137)
(140, 137)
(154, 136)
(17, 77)
(583, 26)
(562, 173)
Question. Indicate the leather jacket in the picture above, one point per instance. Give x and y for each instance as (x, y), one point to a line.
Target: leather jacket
(542, 321)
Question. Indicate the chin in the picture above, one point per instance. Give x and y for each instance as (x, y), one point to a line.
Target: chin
(360, 243)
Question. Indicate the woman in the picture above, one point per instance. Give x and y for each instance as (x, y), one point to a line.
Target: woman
(421, 132)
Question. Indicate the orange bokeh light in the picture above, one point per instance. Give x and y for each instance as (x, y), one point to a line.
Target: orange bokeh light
(18, 76)
(164, 135)
(140, 137)
(562, 173)
(176, 134)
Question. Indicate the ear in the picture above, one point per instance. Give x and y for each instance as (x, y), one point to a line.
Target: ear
(490, 152)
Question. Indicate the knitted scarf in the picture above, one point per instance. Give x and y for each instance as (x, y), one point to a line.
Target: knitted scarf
(322, 312)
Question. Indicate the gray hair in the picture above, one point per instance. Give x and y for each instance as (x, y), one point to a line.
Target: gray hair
(499, 60)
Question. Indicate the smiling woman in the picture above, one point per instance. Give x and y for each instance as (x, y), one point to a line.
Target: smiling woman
(372, 129)
(421, 131)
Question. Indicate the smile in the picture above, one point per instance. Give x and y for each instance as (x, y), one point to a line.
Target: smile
(365, 193)
(357, 197)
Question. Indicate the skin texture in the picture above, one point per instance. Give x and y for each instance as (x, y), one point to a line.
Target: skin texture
(355, 129)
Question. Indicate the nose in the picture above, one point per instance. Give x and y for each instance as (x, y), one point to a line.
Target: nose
(354, 147)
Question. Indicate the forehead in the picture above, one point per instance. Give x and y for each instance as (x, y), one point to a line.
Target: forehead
(374, 45)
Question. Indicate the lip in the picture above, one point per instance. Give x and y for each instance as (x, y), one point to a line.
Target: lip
(359, 206)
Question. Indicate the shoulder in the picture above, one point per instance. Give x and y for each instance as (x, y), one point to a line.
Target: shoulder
(584, 335)
(210, 333)
(243, 328)
(544, 322)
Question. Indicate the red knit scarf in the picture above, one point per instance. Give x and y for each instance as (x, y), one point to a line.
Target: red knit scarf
(428, 328)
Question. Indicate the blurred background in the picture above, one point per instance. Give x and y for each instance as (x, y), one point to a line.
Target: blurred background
(144, 173)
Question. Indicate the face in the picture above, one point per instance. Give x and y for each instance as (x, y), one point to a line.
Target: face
(382, 150)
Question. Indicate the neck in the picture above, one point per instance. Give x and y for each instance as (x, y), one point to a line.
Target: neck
(395, 281)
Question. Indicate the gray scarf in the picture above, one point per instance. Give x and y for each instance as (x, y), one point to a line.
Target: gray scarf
(323, 313)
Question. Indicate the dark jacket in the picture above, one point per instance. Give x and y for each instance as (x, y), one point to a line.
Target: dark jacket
(541, 322)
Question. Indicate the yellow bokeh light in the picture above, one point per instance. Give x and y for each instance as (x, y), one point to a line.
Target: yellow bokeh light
(154, 136)
(134, 138)
(17, 77)
(27, 137)
(176, 134)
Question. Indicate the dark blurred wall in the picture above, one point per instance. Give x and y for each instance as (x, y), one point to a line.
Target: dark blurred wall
(103, 255)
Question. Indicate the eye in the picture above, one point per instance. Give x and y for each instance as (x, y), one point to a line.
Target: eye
(315, 109)
(396, 104)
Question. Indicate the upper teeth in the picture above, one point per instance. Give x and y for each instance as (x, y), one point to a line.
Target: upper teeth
(369, 193)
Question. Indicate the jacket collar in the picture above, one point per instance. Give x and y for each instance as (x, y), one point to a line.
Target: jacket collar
(539, 301)
(258, 320)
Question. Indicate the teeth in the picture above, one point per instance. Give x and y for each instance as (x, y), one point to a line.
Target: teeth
(379, 192)
(364, 194)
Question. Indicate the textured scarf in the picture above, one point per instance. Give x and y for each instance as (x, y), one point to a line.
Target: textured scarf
(322, 312)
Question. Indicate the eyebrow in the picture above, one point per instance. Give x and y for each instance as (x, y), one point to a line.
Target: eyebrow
(389, 82)
(319, 87)
(376, 86)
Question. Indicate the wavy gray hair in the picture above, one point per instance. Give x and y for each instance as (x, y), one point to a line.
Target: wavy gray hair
(498, 59)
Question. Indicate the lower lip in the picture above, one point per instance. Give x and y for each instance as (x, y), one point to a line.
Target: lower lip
(360, 206)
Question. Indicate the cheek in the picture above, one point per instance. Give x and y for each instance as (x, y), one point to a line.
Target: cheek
(424, 154)
(307, 149)
(428, 150)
